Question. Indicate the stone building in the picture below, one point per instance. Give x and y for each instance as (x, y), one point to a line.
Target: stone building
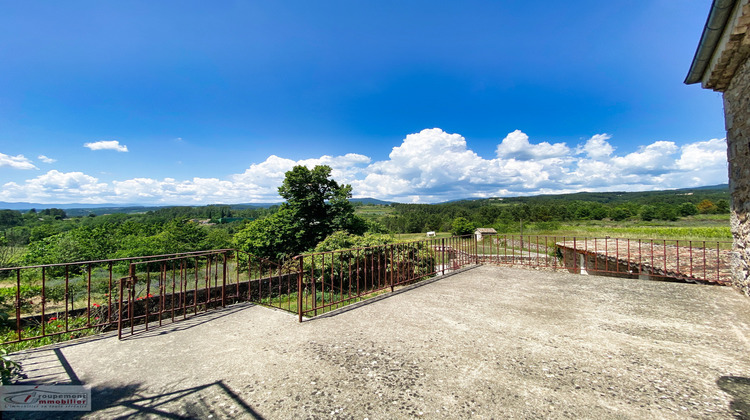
(721, 64)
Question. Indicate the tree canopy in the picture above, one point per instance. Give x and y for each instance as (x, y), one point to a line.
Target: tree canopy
(316, 206)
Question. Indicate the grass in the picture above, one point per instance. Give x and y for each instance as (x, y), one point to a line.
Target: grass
(408, 237)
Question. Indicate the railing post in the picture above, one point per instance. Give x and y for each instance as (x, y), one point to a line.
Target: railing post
(476, 250)
(442, 246)
(18, 304)
(119, 313)
(299, 286)
(392, 263)
(224, 281)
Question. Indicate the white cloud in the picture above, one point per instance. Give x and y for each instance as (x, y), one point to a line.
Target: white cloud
(45, 159)
(107, 145)
(428, 166)
(516, 145)
(597, 147)
(56, 187)
(703, 155)
(16, 162)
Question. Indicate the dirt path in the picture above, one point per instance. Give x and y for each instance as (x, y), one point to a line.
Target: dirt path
(485, 343)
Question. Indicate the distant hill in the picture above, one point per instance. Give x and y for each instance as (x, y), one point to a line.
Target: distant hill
(79, 209)
(711, 192)
(370, 201)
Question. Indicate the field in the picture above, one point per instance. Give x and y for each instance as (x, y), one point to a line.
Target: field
(696, 228)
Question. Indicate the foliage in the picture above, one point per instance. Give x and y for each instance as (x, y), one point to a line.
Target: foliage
(319, 205)
(273, 237)
(461, 226)
(617, 206)
(344, 240)
(10, 370)
(316, 207)
(687, 209)
(706, 206)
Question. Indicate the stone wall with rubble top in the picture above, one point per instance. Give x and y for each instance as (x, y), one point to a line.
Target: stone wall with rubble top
(737, 120)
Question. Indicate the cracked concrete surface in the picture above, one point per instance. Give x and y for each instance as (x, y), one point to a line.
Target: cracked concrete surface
(485, 343)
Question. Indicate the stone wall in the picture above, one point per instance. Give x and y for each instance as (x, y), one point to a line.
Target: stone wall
(737, 119)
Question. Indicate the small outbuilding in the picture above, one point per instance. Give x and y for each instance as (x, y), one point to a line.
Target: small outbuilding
(482, 232)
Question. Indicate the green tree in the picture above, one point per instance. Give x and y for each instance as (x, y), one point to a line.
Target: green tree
(319, 205)
(687, 209)
(273, 237)
(619, 213)
(706, 206)
(722, 206)
(648, 213)
(461, 226)
(316, 206)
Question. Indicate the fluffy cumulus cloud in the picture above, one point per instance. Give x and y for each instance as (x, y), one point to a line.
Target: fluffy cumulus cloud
(107, 145)
(57, 187)
(46, 159)
(15, 162)
(429, 166)
(516, 145)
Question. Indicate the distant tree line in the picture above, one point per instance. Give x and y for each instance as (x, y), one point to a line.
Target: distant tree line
(318, 215)
(415, 218)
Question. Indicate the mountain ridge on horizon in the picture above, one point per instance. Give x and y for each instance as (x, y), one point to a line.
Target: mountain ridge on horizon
(368, 200)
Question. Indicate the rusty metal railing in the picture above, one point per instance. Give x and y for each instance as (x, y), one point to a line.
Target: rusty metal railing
(66, 298)
(56, 299)
(330, 280)
(677, 260)
(175, 287)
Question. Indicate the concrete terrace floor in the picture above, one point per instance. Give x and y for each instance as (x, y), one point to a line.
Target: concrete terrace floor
(488, 342)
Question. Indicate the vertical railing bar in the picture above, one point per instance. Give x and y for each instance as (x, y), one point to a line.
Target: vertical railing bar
(162, 289)
(718, 262)
(119, 311)
(183, 288)
(195, 292)
(18, 304)
(109, 295)
(131, 298)
(67, 295)
(148, 291)
(44, 300)
(237, 269)
(314, 289)
(174, 287)
(705, 274)
(359, 275)
(223, 279)
(88, 292)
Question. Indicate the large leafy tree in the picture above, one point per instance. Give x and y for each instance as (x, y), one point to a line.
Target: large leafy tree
(316, 206)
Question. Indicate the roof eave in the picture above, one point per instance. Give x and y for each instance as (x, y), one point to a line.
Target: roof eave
(712, 32)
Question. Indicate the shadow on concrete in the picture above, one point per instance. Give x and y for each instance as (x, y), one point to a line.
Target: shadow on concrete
(401, 289)
(180, 324)
(120, 402)
(739, 388)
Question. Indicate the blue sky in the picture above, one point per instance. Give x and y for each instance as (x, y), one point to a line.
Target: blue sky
(415, 101)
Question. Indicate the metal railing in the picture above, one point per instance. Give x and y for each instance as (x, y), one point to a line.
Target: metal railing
(174, 287)
(87, 297)
(659, 259)
(330, 280)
